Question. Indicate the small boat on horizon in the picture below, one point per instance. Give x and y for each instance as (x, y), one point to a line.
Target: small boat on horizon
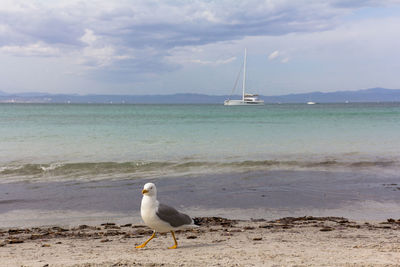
(247, 99)
(311, 103)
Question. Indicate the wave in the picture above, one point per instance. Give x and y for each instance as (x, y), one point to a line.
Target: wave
(315, 164)
(81, 168)
(141, 169)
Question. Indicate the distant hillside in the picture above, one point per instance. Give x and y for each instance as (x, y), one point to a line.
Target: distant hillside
(115, 99)
(367, 95)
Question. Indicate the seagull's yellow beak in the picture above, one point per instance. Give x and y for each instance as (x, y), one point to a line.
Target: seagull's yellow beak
(144, 191)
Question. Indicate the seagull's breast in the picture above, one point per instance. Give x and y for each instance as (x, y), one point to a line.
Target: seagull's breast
(148, 211)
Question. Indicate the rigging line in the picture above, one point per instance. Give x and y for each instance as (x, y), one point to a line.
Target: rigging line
(237, 79)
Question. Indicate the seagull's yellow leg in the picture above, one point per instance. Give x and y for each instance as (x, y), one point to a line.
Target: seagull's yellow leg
(176, 243)
(148, 240)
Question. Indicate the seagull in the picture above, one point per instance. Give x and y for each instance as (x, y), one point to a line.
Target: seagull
(160, 217)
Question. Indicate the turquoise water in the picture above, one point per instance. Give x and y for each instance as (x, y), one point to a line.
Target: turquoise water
(64, 142)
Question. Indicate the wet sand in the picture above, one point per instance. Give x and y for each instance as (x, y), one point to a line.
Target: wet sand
(356, 195)
(301, 241)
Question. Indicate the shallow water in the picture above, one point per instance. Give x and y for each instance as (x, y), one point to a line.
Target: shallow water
(58, 142)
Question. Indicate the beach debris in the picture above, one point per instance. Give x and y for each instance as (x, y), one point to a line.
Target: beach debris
(326, 229)
(15, 241)
(266, 226)
(213, 221)
(17, 231)
(139, 226)
(277, 225)
(144, 231)
(107, 224)
(257, 238)
(221, 226)
(112, 233)
(392, 221)
(111, 227)
(324, 223)
(46, 246)
(290, 220)
(257, 220)
(59, 229)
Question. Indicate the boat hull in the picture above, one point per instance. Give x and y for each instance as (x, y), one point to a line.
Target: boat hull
(242, 103)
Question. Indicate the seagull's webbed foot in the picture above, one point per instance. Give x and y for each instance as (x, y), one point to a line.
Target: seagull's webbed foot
(176, 243)
(147, 241)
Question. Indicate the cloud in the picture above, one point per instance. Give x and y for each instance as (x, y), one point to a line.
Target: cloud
(273, 55)
(38, 49)
(89, 37)
(98, 53)
(356, 3)
(210, 62)
(283, 58)
(104, 34)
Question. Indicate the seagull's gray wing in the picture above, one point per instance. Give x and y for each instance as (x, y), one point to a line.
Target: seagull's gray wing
(172, 216)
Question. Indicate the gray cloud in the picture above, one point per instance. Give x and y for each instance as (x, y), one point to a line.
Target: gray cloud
(128, 33)
(356, 3)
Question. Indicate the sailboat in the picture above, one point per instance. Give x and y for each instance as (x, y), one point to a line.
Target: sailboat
(247, 99)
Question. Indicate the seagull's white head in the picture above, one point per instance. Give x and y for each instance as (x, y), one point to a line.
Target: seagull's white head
(149, 189)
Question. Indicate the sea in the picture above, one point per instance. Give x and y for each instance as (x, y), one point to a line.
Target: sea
(71, 164)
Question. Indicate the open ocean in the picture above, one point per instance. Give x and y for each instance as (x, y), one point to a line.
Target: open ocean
(73, 164)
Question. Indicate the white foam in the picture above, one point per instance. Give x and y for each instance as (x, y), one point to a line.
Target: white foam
(51, 167)
(36, 218)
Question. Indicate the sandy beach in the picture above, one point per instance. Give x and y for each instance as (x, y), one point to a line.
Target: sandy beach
(301, 241)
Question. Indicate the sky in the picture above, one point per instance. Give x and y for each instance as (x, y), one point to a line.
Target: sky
(197, 46)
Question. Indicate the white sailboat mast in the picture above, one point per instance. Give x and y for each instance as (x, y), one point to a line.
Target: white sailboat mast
(244, 73)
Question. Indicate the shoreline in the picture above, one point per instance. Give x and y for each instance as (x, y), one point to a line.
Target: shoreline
(255, 194)
(307, 241)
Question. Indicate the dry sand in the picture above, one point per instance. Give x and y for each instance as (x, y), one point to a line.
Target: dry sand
(305, 241)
